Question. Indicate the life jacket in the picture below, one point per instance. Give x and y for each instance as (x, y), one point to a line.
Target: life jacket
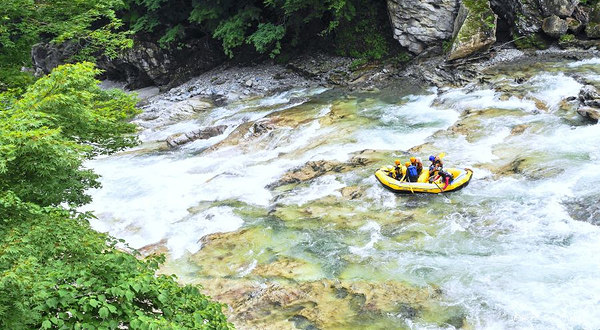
(412, 172)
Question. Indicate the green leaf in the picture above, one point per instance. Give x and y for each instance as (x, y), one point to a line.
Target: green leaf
(103, 312)
(46, 324)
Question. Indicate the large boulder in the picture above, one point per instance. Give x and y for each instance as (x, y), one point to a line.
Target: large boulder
(419, 24)
(555, 26)
(475, 29)
(561, 8)
(593, 28)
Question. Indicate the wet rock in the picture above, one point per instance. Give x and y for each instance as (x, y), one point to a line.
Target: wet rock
(560, 8)
(555, 26)
(589, 96)
(589, 113)
(310, 171)
(519, 129)
(584, 209)
(420, 24)
(323, 304)
(177, 140)
(527, 167)
(474, 29)
(155, 249)
(351, 192)
(314, 169)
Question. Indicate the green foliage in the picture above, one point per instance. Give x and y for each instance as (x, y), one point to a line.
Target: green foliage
(532, 41)
(267, 34)
(363, 37)
(266, 25)
(590, 3)
(567, 38)
(56, 272)
(91, 25)
(47, 133)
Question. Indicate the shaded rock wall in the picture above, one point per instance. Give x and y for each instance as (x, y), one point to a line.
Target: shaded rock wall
(143, 65)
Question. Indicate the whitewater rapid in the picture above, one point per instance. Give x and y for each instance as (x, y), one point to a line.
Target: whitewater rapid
(506, 250)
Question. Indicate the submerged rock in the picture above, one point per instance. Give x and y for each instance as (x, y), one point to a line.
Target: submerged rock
(474, 29)
(314, 169)
(323, 304)
(177, 140)
(351, 192)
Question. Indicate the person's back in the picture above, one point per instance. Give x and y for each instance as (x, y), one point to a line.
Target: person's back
(417, 163)
(412, 173)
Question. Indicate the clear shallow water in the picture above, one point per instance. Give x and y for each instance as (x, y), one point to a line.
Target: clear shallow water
(506, 252)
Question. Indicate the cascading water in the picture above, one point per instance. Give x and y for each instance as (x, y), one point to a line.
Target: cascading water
(515, 249)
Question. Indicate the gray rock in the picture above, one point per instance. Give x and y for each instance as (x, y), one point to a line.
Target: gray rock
(587, 93)
(419, 24)
(555, 26)
(524, 16)
(249, 83)
(561, 8)
(177, 140)
(476, 31)
(589, 113)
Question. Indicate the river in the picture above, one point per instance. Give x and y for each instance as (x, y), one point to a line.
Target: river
(516, 249)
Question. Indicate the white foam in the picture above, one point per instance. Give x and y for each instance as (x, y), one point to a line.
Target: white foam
(591, 61)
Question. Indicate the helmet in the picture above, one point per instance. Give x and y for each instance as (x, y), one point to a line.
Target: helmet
(431, 158)
(407, 164)
(413, 159)
(397, 161)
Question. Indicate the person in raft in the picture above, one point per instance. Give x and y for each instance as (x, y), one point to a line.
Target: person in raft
(411, 172)
(446, 177)
(396, 173)
(436, 165)
(417, 162)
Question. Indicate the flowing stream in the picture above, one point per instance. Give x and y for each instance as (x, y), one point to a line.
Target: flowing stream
(516, 249)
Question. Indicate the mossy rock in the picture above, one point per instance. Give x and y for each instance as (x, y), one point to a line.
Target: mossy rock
(477, 31)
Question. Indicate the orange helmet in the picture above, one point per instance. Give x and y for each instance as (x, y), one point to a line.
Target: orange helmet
(413, 159)
(397, 162)
(407, 164)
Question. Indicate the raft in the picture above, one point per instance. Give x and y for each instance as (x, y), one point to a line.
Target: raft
(462, 177)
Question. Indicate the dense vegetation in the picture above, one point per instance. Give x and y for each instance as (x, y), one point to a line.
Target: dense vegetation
(55, 271)
(354, 26)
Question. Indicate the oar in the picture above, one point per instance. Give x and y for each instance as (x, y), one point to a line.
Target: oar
(441, 155)
(442, 190)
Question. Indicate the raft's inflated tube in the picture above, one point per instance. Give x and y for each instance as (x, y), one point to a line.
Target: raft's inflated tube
(462, 177)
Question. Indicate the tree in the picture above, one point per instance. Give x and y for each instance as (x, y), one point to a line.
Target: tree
(56, 272)
(90, 25)
(63, 119)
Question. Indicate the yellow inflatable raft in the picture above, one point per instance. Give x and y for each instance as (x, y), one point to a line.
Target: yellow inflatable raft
(462, 177)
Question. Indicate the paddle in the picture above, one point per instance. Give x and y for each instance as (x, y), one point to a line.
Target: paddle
(442, 190)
